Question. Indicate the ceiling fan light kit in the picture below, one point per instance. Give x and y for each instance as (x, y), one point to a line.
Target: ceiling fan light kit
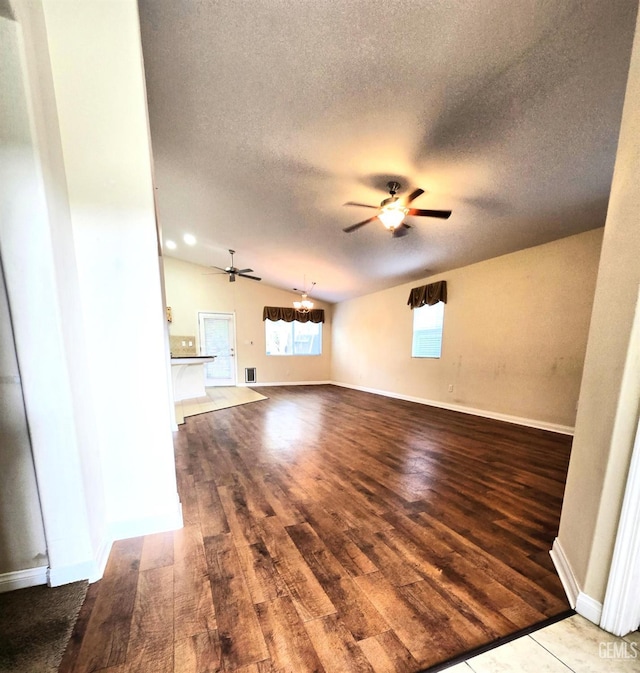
(393, 210)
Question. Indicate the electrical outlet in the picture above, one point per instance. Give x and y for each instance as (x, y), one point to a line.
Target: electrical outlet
(451, 387)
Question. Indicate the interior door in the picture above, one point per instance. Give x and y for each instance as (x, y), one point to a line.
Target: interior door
(218, 337)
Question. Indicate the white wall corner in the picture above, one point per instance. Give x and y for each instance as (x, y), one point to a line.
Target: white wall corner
(21, 579)
(90, 570)
(565, 572)
(60, 575)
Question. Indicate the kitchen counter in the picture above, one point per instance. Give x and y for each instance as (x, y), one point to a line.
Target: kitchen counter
(187, 375)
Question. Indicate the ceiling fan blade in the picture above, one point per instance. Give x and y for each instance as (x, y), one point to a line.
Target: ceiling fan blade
(244, 271)
(244, 275)
(400, 231)
(418, 212)
(362, 205)
(219, 268)
(357, 225)
(414, 195)
(232, 277)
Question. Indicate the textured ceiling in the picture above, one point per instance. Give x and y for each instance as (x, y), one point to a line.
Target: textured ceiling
(267, 115)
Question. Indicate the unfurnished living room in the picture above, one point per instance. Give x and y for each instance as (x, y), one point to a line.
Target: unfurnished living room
(320, 336)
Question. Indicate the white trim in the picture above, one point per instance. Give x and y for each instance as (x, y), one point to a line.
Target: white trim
(589, 608)
(517, 420)
(21, 579)
(621, 610)
(583, 604)
(565, 572)
(54, 577)
(286, 383)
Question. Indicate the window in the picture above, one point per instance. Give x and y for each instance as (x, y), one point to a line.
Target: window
(427, 331)
(293, 338)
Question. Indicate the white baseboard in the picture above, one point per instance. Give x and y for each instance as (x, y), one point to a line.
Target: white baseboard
(21, 579)
(582, 603)
(517, 420)
(286, 383)
(565, 572)
(589, 608)
(91, 570)
(101, 558)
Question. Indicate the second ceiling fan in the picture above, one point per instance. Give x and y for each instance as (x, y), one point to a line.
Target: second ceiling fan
(393, 210)
(232, 271)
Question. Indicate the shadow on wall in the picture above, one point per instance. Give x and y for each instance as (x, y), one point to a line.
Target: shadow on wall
(22, 540)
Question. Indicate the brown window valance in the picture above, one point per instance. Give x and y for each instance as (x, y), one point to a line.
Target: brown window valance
(290, 314)
(428, 294)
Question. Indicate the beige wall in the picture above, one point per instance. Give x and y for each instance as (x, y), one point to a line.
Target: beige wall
(191, 288)
(515, 330)
(610, 395)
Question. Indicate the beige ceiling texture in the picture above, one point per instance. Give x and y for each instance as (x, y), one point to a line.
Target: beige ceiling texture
(268, 115)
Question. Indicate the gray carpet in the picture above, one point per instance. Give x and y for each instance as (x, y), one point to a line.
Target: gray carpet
(35, 626)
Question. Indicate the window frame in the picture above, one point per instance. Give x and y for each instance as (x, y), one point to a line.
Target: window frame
(293, 340)
(415, 352)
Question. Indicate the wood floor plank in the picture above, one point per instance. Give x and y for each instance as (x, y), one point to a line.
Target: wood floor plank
(282, 505)
(263, 580)
(336, 648)
(335, 535)
(151, 642)
(307, 594)
(521, 585)
(109, 625)
(288, 642)
(241, 522)
(241, 640)
(387, 654)
(411, 627)
(157, 551)
(194, 611)
(353, 607)
(328, 529)
(199, 653)
(393, 565)
(211, 518)
(188, 497)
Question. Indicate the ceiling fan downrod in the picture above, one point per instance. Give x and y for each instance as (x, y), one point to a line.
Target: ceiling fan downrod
(393, 187)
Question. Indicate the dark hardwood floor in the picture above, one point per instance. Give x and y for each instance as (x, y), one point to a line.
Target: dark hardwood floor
(333, 530)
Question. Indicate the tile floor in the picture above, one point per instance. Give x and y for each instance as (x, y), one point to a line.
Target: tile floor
(571, 645)
(217, 398)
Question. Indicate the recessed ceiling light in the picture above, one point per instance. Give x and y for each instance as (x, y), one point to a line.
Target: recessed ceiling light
(170, 244)
(189, 239)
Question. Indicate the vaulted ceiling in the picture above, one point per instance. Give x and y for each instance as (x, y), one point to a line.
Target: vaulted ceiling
(268, 115)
